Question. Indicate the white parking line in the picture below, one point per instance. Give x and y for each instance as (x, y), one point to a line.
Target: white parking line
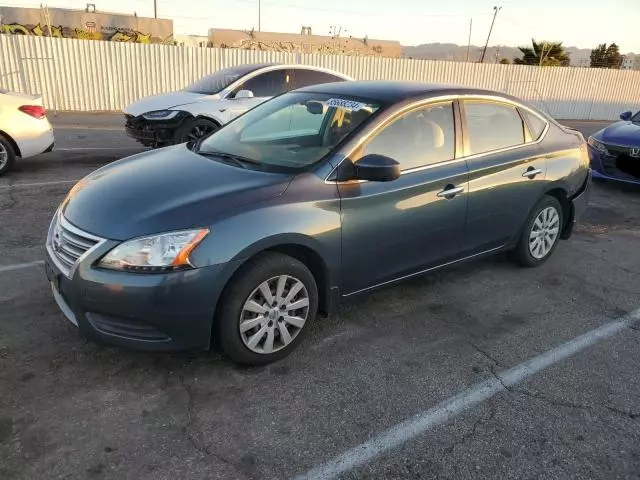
(39, 184)
(465, 400)
(20, 266)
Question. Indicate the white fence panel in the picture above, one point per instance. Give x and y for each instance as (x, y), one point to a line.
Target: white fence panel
(90, 75)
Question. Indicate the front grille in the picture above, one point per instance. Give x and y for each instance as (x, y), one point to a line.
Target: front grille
(68, 243)
(618, 149)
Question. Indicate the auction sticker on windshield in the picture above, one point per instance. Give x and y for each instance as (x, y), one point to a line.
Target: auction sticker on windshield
(348, 104)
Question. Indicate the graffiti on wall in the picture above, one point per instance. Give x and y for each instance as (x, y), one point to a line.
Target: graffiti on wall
(329, 48)
(90, 32)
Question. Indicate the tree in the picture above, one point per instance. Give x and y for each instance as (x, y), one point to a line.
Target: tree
(544, 54)
(505, 61)
(606, 57)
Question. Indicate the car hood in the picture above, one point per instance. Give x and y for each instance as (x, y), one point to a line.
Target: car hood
(162, 190)
(164, 101)
(622, 133)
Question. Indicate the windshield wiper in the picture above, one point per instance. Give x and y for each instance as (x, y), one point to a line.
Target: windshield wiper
(236, 159)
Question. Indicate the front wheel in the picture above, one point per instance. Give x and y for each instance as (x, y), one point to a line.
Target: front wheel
(196, 129)
(541, 234)
(266, 309)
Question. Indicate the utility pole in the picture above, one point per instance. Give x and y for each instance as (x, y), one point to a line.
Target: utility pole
(469, 43)
(155, 8)
(259, 15)
(495, 14)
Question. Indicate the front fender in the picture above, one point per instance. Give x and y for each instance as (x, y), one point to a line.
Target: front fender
(286, 220)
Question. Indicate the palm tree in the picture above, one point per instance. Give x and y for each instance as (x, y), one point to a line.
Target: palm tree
(543, 54)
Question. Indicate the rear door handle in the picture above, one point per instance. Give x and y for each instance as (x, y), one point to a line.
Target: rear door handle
(450, 191)
(531, 172)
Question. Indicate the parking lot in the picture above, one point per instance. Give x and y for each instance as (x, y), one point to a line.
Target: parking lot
(416, 353)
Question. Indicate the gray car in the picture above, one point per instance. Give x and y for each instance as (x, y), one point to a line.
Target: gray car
(320, 194)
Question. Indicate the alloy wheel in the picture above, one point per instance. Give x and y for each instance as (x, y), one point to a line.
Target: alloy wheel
(4, 156)
(544, 232)
(199, 131)
(274, 314)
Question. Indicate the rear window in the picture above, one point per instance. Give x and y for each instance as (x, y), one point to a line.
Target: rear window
(492, 126)
(216, 82)
(536, 124)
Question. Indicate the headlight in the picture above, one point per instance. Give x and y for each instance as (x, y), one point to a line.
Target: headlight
(161, 115)
(597, 145)
(156, 253)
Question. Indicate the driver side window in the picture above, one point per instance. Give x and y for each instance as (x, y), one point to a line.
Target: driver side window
(268, 84)
(422, 137)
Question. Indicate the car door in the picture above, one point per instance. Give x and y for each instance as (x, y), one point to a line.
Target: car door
(507, 173)
(398, 228)
(264, 86)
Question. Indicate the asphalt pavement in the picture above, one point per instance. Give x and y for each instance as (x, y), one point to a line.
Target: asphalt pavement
(412, 381)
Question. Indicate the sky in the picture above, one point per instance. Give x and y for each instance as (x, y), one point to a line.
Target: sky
(580, 23)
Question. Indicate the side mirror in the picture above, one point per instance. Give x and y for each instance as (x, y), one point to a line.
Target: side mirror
(626, 116)
(377, 168)
(315, 108)
(244, 94)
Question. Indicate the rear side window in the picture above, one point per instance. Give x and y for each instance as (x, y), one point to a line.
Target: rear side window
(304, 78)
(268, 84)
(535, 123)
(492, 126)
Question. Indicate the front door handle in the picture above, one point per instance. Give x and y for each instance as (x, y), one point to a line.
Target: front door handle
(450, 191)
(531, 172)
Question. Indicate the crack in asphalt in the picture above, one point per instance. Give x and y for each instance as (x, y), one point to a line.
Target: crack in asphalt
(631, 415)
(547, 399)
(188, 427)
(570, 404)
(609, 262)
(492, 367)
(471, 433)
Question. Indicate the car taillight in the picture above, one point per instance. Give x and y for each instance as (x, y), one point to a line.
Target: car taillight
(34, 110)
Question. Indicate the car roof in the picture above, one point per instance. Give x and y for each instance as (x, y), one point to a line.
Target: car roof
(300, 66)
(396, 91)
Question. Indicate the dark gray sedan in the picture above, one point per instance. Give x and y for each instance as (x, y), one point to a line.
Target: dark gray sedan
(319, 194)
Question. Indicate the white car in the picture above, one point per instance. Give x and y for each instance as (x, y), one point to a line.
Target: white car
(25, 130)
(202, 107)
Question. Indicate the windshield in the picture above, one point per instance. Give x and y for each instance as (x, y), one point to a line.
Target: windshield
(292, 131)
(636, 118)
(220, 80)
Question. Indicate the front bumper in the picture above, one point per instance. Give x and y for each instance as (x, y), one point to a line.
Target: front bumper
(155, 312)
(153, 133)
(605, 167)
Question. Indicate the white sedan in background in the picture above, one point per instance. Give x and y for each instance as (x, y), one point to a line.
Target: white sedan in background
(25, 130)
(204, 106)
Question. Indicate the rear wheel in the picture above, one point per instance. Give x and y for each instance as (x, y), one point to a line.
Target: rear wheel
(541, 233)
(7, 155)
(197, 128)
(266, 309)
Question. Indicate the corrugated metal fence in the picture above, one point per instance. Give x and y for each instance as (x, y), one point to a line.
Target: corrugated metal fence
(89, 75)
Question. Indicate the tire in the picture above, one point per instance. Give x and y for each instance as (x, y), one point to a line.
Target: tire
(266, 324)
(7, 155)
(195, 129)
(530, 254)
